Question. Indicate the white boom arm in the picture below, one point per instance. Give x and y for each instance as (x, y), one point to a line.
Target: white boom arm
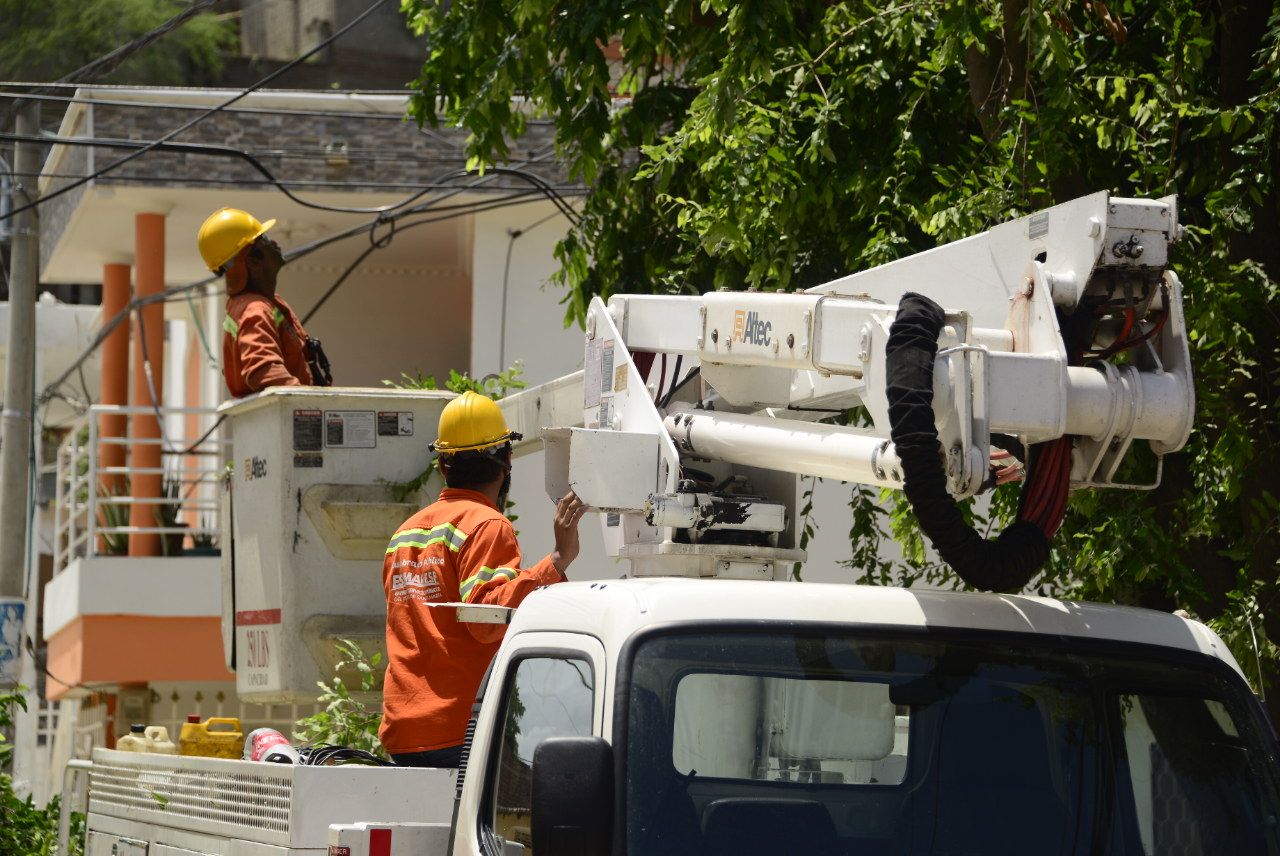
(1065, 323)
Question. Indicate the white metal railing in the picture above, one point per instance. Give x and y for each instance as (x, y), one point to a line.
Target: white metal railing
(94, 501)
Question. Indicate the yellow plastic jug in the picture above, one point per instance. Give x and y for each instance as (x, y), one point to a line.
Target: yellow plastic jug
(216, 737)
(158, 742)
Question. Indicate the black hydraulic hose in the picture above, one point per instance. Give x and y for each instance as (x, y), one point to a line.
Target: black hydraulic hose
(1010, 561)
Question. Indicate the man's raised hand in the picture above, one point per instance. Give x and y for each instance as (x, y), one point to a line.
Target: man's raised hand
(569, 511)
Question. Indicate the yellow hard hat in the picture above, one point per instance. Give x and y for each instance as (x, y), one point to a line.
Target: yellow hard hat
(470, 423)
(226, 232)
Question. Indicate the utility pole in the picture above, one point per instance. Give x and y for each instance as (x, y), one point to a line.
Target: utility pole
(16, 418)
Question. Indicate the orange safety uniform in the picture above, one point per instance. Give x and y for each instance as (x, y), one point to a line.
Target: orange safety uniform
(263, 345)
(458, 549)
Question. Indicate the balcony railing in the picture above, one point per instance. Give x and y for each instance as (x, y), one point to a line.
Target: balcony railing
(94, 501)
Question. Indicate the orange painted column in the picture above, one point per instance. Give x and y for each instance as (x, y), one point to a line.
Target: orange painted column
(144, 452)
(114, 384)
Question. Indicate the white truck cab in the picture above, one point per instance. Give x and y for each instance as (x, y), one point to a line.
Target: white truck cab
(648, 717)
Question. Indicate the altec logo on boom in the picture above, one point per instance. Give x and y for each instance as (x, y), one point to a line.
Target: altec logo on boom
(749, 329)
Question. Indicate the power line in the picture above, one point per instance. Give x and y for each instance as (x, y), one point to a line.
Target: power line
(109, 61)
(380, 243)
(129, 87)
(373, 155)
(179, 292)
(535, 154)
(318, 183)
(512, 234)
(176, 105)
(207, 113)
(267, 111)
(232, 152)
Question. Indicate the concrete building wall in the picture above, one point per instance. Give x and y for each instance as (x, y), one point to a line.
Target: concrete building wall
(520, 267)
(385, 322)
(386, 29)
(282, 29)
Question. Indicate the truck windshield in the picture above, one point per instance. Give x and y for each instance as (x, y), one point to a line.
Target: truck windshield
(769, 743)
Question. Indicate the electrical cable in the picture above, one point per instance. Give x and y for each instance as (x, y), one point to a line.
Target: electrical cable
(675, 375)
(693, 372)
(324, 43)
(41, 665)
(1010, 561)
(506, 275)
(397, 94)
(109, 61)
(228, 151)
(84, 384)
(151, 384)
(478, 208)
(512, 234)
(320, 184)
(155, 403)
(204, 341)
(177, 293)
(173, 105)
(328, 754)
(173, 294)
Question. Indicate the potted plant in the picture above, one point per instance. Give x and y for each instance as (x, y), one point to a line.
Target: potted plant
(203, 541)
(113, 515)
(166, 514)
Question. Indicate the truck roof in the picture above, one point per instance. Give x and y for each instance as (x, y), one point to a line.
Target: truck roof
(614, 610)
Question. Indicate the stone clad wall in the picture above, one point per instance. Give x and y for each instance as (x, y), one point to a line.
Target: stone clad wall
(381, 152)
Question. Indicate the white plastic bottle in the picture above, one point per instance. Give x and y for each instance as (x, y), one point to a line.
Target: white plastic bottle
(158, 742)
(134, 741)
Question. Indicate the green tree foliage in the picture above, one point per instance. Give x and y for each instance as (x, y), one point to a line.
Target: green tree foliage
(46, 40)
(24, 828)
(779, 143)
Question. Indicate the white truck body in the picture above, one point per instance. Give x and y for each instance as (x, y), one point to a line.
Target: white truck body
(668, 715)
(846, 752)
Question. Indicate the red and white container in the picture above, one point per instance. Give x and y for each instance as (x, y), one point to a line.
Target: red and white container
(267, 744)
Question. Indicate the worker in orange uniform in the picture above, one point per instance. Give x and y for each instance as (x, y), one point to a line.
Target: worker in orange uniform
(263, 343)
(459, 549)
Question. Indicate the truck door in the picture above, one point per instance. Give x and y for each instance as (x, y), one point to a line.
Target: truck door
(551, 686)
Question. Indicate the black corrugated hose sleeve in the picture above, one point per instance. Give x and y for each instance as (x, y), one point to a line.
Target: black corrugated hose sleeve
(1010, 561)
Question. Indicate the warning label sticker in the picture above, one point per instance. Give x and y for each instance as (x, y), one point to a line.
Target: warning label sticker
(606, 369)
(591, 377)
(350, 429)
(395, 423)
(307, 425)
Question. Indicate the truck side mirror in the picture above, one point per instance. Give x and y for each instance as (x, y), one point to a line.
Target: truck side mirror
(573, 796)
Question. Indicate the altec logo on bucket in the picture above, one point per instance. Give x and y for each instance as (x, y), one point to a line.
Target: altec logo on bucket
(749, 329)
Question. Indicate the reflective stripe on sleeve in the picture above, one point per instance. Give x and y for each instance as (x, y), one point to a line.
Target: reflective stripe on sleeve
(445, 533)
(484, 576)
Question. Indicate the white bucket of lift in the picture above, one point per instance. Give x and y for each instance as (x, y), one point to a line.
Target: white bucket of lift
(308, 508)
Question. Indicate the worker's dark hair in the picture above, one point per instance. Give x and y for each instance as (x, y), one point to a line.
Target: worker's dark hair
(474, 470)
